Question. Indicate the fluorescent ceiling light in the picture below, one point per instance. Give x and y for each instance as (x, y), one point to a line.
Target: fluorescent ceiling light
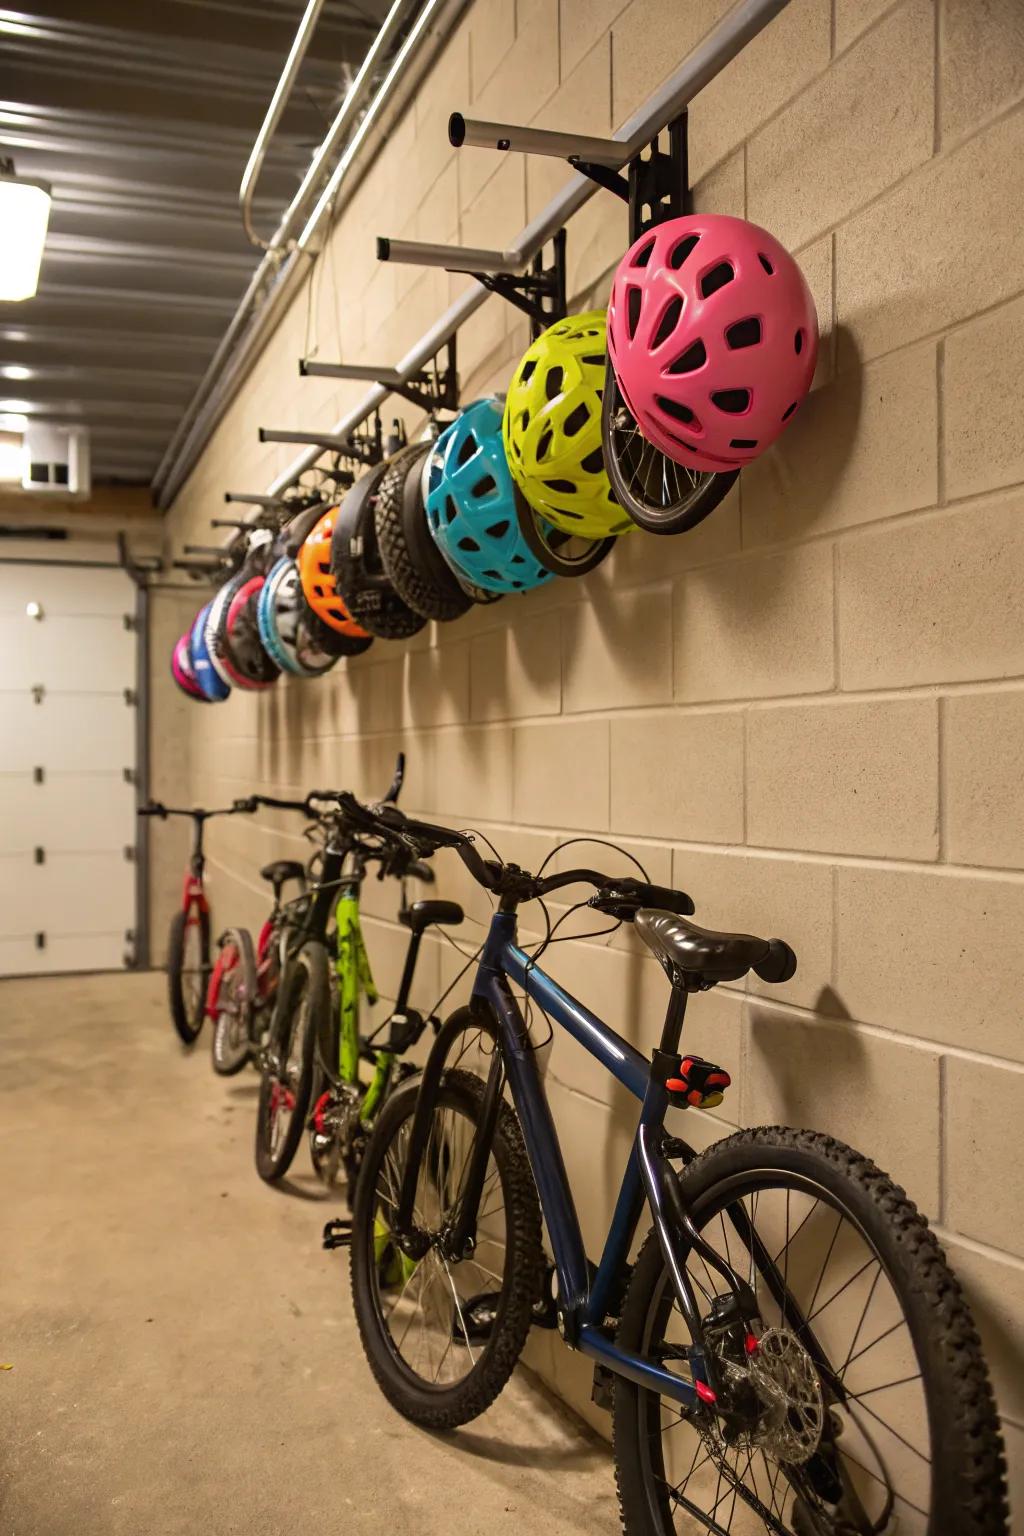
(16, 372)
(24, 216)
(12, 458)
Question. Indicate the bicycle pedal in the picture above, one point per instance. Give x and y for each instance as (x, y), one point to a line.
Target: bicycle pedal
(337, 1234)
(473, 1321)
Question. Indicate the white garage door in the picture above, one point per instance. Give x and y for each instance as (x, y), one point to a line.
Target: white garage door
(67, 811)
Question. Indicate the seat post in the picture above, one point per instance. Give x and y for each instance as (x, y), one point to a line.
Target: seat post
(672, 1029)
(405, 985)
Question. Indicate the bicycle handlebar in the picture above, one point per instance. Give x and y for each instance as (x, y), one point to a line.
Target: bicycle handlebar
(157, 808)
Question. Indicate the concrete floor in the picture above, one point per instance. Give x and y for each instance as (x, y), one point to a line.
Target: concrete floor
(184, 1357)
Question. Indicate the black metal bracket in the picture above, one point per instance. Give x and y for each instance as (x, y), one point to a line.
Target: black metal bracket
(539, 293)
(656, 184)
(434, 389)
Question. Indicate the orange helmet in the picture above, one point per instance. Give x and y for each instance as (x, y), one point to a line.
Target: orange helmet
(318, 585)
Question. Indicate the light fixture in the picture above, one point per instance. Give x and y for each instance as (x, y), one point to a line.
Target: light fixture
(16, 372)
(24, 216)
(12, 456)
(34, 610)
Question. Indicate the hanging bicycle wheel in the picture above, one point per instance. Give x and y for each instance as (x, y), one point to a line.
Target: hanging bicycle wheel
(660, 495)
(854, 1402)
(567, 554)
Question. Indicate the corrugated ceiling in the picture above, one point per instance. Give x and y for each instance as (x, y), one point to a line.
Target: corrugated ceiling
(142, 116)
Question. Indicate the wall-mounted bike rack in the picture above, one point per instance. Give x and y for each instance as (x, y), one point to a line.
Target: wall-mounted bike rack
(597, 161)
(434, 389)
(538, 292)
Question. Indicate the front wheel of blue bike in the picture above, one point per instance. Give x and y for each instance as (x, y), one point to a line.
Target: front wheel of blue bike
(853, 1398)
(442, 1333)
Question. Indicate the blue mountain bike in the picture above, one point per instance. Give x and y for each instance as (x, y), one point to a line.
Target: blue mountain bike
(788, 1351)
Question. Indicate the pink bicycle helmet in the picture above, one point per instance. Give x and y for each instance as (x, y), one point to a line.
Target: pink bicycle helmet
(713, 337)
(181, 670)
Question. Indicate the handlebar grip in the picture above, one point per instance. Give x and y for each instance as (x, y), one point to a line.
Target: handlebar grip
(669, 900)
(154, 808)
(779, 964)
(247, 804)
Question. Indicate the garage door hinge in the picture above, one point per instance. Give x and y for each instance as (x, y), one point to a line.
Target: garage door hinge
(40, 941)
(130, 696)
(38, 693)
(130, 853)
(40, 855)
(38, 775)
(130, 776)
(131, 623)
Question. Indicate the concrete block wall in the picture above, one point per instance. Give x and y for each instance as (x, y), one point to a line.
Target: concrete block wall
(810, 711)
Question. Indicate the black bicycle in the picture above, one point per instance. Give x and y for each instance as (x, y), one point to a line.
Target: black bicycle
(789, 1351)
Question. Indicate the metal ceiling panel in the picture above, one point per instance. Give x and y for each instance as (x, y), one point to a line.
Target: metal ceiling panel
(142, 117)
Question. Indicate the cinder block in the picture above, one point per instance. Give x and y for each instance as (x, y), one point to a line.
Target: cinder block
(916, 954)
(617, 650)
(474, 772)
(560, 774)
(640, 558)
(1013, 1438)
(788, 898)
(860, 448)
(851, 1084)
(981, 383)
(446, 90)
(854, 17)
(995, 1294)
(983, 742)
(982, 1123)
(901, 264)
(582, 25)
(678, 775)
(934, 600)
(801, 174)
(981, 61)
(437, 686)
(723, 189)
(650, 38)
(492, 31)
(845, 778)
(770, 70)
(755, 627)
(515, 671)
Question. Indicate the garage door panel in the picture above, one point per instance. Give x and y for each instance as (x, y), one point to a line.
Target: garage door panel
(67, 654)
(65, 589)
(67, 813)
(82, 732)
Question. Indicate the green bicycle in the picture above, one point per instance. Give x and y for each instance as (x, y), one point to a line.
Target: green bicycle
(312, 1058)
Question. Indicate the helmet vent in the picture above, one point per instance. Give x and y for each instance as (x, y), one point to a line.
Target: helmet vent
(467, 449)
(469, 545)
(633, 304)
(544, 444)
(597, 358)
(451, 511)
(526, 372)
(593, 464)
(676, 409)
(576, 420)
(766, 264)
(787, 413)
(565, 487)
(798, 343)
(681, 250)
(643, 255)
(717, 278)
(553, 382)
(745, 333)
(497, 530)
(743, 442)
(693, 358)
(668, 321)
(485, 486)
(733, 401)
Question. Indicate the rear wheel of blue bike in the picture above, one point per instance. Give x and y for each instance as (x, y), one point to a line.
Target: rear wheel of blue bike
(854, 1402)
(442, 1334)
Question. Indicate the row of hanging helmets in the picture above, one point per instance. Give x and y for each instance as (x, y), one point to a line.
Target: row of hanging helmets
(638, 417)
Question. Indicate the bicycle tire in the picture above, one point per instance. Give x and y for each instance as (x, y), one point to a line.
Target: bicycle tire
(358, 567)
(546, 543)
(967, 1493)
(633, 464)
(413, 1397)
(294, 1029)
(418, 572)
(231, 1048)
(188, 1023)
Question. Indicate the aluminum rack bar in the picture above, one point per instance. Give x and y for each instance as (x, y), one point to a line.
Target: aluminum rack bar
(454, 258)
(310, 369)
(319, 440)
(250, 499)
(736, 28)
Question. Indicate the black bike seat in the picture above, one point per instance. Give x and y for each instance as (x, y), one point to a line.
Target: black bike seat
(281, 870)
(420, 914)
(702, 952)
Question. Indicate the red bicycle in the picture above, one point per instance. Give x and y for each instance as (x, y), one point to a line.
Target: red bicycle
(193, 984)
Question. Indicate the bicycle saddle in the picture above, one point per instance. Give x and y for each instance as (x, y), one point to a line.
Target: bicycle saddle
(420, 914)
(281, 870)
(701, 952)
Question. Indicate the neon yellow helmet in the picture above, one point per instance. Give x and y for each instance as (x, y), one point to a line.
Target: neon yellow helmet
(552, 429)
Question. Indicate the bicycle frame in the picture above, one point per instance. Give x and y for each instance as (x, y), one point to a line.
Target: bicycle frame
(355, 980)
(584, 1299)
